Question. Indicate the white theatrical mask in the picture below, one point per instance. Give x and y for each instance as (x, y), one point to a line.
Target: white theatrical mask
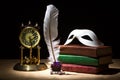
(79, 33)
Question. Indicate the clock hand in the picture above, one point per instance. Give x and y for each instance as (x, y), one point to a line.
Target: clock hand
(31, 37)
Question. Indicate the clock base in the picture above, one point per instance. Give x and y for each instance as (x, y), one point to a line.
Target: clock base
(30, 67)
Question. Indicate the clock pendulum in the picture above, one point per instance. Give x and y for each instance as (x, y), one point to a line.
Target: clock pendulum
(29, 38)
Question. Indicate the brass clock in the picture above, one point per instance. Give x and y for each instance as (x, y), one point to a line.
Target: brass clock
(29, 37)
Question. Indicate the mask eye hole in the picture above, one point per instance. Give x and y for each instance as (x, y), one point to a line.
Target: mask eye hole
(87, 37)
(71, 37)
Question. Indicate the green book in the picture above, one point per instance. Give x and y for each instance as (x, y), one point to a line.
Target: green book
(84, 60)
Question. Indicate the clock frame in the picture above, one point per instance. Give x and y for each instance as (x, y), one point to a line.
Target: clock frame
(29, 37)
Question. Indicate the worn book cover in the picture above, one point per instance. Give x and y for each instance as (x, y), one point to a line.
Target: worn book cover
(82, 50)
(84, 60)
(83, 69)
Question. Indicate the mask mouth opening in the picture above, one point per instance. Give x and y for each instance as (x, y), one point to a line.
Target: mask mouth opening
(75, 41)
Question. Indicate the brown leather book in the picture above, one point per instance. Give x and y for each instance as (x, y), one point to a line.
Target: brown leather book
(82, 50)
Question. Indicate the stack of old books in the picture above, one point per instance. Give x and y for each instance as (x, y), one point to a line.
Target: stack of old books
(85, 59)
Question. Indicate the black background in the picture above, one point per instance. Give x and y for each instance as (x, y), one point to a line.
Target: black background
(97, 16)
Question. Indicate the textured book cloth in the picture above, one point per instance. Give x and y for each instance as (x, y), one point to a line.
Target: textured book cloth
(85, 50)
(84, 60)
(83, 69)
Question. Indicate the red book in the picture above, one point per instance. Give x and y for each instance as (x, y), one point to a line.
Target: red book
(82, 50)
(83, 69)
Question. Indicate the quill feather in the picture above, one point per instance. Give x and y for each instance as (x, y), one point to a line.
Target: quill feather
(50, 30)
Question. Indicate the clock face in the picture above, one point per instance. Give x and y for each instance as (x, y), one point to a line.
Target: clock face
(29, 37)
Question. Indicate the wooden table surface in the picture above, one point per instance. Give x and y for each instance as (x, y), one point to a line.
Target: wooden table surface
(8, 73)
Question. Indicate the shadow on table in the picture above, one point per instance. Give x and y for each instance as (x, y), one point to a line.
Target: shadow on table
(110, 71)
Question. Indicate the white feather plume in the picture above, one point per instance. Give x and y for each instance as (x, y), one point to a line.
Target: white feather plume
(50, 30)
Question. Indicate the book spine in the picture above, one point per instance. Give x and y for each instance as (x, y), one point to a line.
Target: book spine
(105, 60)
